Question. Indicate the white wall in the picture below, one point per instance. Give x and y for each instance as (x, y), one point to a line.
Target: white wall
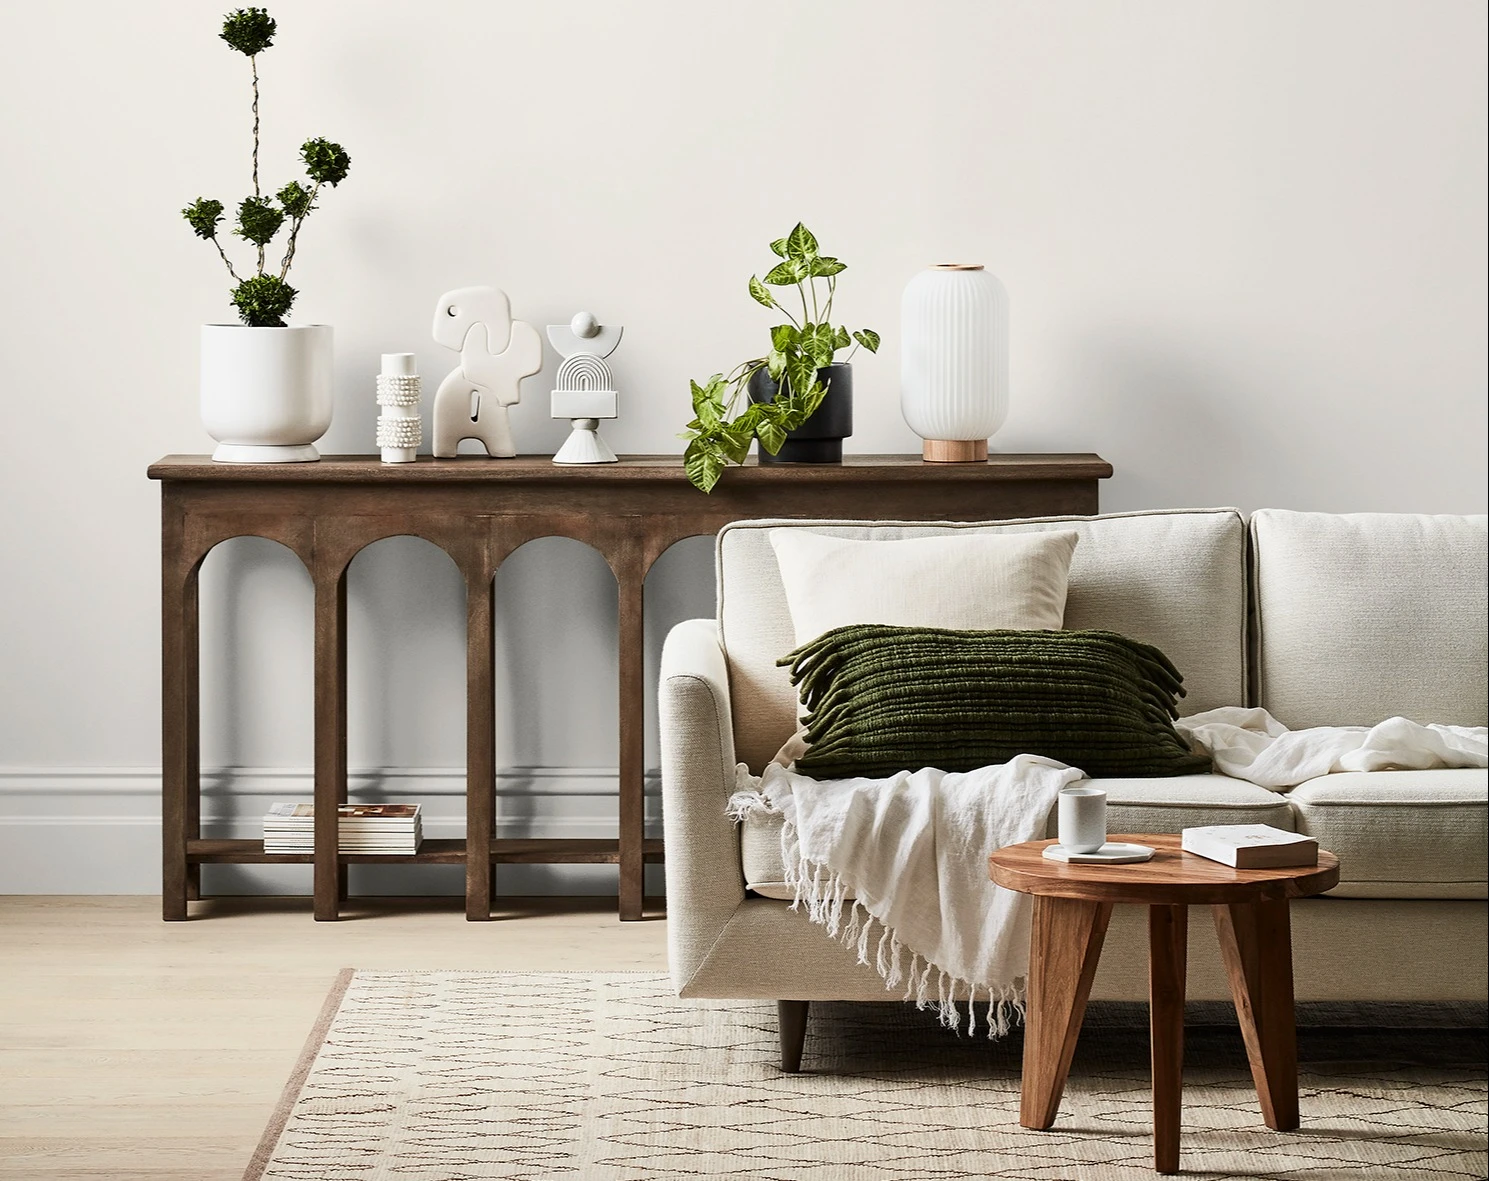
(1245, 244)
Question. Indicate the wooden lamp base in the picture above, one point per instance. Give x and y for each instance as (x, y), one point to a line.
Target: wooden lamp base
(954, 450)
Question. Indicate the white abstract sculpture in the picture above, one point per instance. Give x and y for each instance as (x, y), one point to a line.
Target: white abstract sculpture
(586, 391)
(399, 430)
(496, 353)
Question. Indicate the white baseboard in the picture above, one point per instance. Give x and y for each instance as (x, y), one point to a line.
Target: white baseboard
(96, 830)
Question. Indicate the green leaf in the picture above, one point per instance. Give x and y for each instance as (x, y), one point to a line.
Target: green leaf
(826, 268)
(783, 337)
(778, 247)
(775, 365)
(818, 345)
(259, 220)
(800, 243)
(759, 294)
(868, 338)
(735, 438)
(325, 162)
(783, 274)
(770, 435)
(801, 374)
(248, 30)
(296, 199)
(703, 465)
(263, 301)
(202, 215)
(840, 339)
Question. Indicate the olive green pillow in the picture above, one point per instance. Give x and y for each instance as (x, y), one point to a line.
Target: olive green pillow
(881, 699)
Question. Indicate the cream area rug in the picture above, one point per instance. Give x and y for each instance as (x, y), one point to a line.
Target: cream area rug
(471, 1076)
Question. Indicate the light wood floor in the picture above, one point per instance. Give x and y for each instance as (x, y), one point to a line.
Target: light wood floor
(137, 1050)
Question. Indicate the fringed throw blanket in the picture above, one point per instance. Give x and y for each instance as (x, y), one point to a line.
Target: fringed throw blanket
(912, 849)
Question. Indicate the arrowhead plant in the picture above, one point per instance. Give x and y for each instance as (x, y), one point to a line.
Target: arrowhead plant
(263, 297)
(721, 433)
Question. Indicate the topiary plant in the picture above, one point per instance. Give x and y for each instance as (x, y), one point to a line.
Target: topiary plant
(263, 299)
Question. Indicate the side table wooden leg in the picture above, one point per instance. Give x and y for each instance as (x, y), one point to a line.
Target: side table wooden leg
(1168, 947)
(1064, 949)
(632, 830)
(480, 744)
(330, 739)
(1256, 943)
(180, 782)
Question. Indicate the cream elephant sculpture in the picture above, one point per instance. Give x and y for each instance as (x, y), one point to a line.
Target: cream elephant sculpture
(496, 353)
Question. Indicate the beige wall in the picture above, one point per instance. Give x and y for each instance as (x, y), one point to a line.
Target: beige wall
(1244, 243)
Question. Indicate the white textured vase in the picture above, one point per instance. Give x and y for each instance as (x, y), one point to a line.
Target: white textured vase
(266, 392)
(954, 359)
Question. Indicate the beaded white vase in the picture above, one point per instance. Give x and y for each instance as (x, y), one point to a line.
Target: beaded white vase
(954, 360)
(399, 428)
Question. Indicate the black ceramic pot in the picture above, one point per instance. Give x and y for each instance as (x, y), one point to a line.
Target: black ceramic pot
(820, 438)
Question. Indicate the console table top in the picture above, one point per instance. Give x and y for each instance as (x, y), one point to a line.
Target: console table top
(365, 469)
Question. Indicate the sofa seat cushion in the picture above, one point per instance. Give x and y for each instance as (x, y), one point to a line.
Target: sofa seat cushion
(1400, 834)
(1133, 806)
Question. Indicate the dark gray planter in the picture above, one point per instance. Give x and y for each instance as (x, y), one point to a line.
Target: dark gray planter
(820, 438)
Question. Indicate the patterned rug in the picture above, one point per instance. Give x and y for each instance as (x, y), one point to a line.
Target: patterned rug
(472, 1076)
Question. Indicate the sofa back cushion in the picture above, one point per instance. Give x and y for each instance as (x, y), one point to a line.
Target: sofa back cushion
(1175, 579)
(1364, 616)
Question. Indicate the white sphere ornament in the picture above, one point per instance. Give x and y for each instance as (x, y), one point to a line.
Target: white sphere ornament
(954, 360)
(584, 325)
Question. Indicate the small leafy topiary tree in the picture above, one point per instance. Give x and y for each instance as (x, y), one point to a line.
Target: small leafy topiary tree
(263, 299)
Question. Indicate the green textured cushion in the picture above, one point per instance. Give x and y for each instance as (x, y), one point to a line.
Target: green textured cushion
(882, 699)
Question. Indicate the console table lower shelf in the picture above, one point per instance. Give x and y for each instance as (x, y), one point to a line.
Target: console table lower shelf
(505, 851)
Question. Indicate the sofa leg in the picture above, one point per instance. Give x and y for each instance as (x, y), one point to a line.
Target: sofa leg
(793, 1021)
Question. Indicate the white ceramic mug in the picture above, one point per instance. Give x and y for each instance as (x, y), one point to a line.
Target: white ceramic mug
(1082, 819)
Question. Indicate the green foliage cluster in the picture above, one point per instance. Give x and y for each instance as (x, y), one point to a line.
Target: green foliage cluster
(263, 298)
(721, 431)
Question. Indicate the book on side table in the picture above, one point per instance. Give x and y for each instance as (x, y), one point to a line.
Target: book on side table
(363, 828)
(1251, 846)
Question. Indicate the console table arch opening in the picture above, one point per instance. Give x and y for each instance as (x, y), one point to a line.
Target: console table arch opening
(479, 512)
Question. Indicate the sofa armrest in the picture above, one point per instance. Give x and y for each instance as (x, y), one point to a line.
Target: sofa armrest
(705, 880)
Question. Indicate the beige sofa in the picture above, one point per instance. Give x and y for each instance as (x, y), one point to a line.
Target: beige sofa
(1322, 619)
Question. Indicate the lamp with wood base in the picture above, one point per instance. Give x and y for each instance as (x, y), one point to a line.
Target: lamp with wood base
(954, 360)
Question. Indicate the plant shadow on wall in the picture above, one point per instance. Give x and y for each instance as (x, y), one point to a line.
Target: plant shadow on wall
(788, 385)
(264, 298)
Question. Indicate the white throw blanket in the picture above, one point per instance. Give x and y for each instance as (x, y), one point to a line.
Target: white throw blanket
(913, 850)
(1251, 744)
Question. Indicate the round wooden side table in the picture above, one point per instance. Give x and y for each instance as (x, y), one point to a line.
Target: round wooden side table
(1072, 904)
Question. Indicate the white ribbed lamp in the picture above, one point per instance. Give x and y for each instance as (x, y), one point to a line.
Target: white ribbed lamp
(954, 360)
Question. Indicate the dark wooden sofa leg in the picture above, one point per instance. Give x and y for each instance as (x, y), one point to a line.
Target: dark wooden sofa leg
(793, 1021)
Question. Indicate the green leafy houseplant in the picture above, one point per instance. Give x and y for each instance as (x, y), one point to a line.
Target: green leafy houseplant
(721, 431)
(264, 298)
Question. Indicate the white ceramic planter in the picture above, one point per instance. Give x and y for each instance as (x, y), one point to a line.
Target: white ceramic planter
(954, 359)
(266, 392)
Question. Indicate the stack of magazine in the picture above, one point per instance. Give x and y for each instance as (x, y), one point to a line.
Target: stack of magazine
(364, 828)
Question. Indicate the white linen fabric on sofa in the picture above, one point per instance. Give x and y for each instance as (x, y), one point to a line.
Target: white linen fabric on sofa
(1379, 614)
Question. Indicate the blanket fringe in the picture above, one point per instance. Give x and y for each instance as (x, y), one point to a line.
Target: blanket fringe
(824, 894)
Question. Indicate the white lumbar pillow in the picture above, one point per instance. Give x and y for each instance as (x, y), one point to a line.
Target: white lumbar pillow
(964, 581)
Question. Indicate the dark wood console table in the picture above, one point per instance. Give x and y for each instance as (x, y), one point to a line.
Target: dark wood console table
(479, 511)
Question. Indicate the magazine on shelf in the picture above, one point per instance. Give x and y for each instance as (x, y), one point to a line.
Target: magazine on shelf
(362, 828)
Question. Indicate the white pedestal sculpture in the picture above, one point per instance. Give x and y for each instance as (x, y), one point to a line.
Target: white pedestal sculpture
(399, 430)
(496, 353)
(954, 360)
(585, 390)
